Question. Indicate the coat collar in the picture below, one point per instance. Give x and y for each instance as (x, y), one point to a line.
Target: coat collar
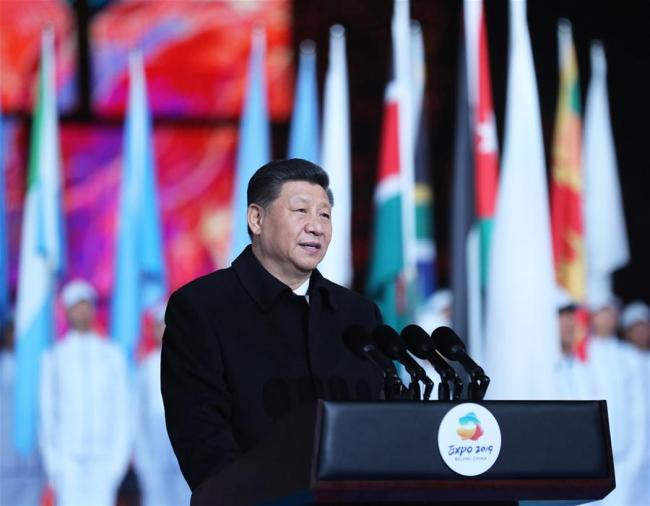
(266, 289)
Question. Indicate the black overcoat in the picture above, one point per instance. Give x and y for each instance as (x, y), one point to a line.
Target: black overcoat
(240, 349)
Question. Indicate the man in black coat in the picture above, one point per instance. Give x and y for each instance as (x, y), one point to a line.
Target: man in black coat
(246, 344)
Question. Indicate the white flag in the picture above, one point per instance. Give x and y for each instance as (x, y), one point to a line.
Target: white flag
(605, 233)
(522, 339)
(335, 159)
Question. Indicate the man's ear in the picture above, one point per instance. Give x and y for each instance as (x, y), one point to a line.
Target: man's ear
(255, 218)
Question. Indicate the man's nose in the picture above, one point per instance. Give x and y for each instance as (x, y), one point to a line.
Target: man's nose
(314, 226)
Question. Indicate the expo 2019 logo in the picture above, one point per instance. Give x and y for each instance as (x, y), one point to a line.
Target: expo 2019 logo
(469, 439)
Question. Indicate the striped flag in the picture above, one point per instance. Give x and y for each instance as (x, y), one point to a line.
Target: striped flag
(475, 181)
(385, 283)
(522, 333)
(426, 247)
(393, 261)
(42, 251)
(254, 148)
(303, 132)
(140, 277)
(605, 232)
(566, 185)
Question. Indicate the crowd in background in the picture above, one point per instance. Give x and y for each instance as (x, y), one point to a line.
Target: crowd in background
(616, 368)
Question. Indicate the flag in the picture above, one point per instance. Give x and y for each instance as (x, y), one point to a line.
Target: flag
(384, 284)
(484, 138)
(42, 251)
(335, 159)
(403, 68)
(303, 132)
(566, 185)
(140, 278)
(393, 264)
(4, 250)
(522, 333)
(426, 247)
(464, 238)
(605, 233)
(254, 147)
(475, 179)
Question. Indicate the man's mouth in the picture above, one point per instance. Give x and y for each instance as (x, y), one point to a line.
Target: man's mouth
(310, 246)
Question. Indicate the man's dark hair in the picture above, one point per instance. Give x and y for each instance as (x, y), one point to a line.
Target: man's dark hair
(266, 184)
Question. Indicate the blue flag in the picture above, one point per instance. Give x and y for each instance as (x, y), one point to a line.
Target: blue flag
(140, 278)
(303, 133)
(254, 149)
(42, 252)
(4, 251)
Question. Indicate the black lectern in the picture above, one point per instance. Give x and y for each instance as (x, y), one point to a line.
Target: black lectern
(338, 452)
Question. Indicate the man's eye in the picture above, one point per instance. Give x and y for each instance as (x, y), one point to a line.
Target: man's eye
(301, 210)
(325, 215)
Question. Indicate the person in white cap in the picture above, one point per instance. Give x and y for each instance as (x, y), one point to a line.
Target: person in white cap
(614, 377)
(84, 403)
(635, 323)
(572, 372)
(159, 474)
(21, 476)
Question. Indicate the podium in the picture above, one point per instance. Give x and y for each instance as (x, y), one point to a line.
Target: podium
(387, 452)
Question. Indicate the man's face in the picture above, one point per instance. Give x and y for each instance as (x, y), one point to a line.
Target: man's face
(604, 322)
(639, 335)
(567, 330)
(291, 235)
(81, 316)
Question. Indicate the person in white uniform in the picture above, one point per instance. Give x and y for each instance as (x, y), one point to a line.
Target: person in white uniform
(21, 476)
(635, 324)
(84, 402)
(613, 377)
(573, 373)
(159, 474)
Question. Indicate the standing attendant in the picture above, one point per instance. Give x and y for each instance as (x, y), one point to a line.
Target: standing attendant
(84, 408)
(160, 477)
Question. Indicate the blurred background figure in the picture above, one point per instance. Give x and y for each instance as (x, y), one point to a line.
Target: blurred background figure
(635, 324)
(161, 481)
(437, 311)
(614, 376)
(21, 476)
(84, 407)
(572, 372)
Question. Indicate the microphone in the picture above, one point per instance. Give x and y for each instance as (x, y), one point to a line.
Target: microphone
(421, 345)
(394, 347)
(452, 347)
(359, 342)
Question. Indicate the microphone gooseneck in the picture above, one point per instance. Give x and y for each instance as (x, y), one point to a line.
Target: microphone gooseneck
(358, 341)
(420, 344)
(394, 347)
(452, 347)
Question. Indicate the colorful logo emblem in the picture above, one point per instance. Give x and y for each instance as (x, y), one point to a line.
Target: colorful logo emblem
(470, 427)
(469, 439)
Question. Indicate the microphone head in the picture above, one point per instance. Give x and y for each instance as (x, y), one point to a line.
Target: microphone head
(418, 341)
(389, 342)
(356, 338)
(448, 343)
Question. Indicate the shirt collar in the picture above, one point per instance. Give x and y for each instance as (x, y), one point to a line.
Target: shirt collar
(265, 288)
(302, 289)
